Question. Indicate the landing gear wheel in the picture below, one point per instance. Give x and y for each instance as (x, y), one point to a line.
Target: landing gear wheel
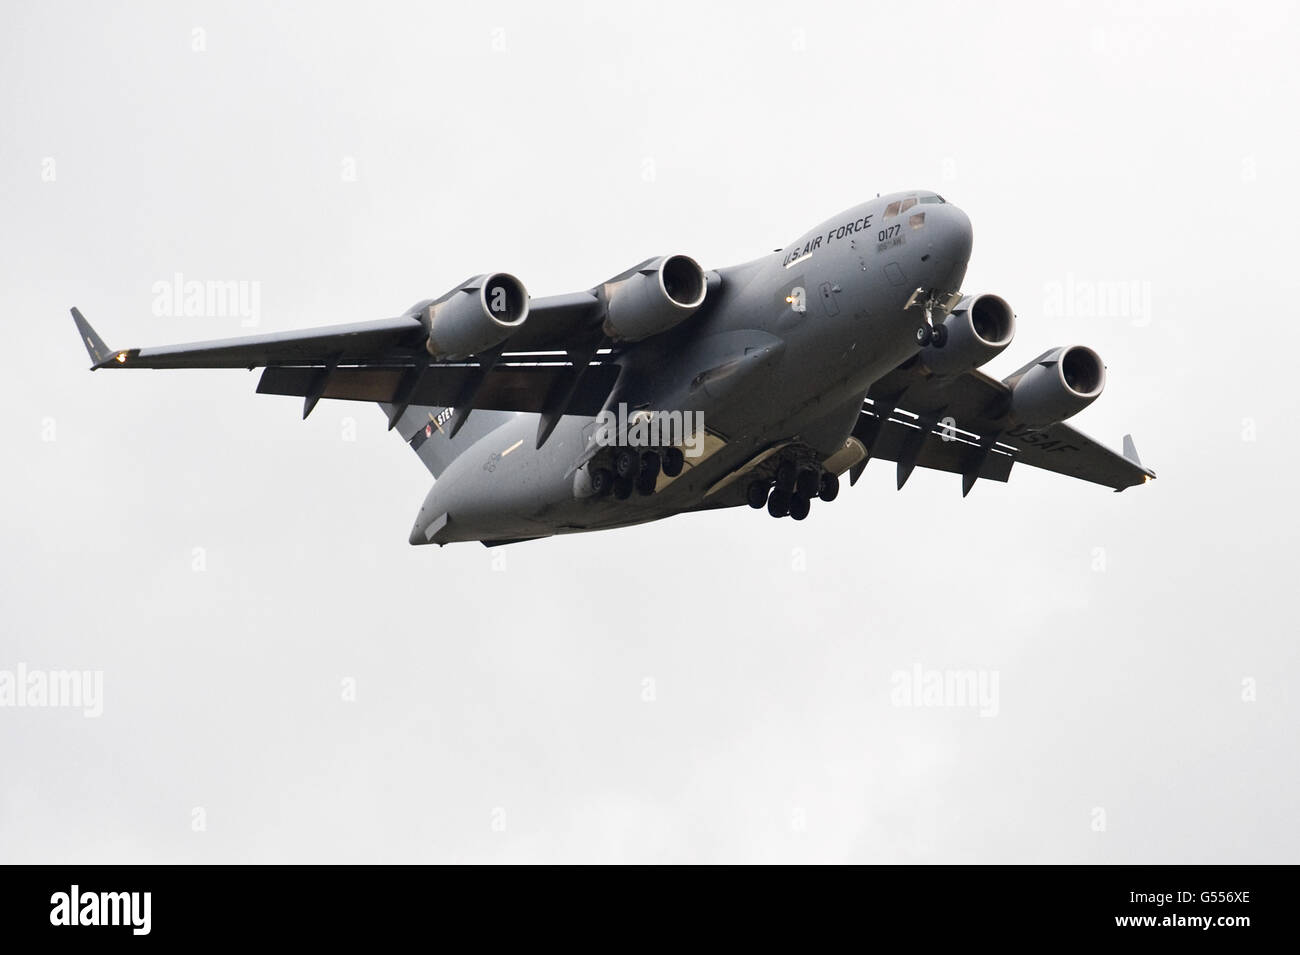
(924, 335)
(627, 463)
(807, 484)
(756, 494)
(830, 488)
(940, 336)
(645, 483)
(602, 481)
(674, 461)
(786, 474)
(623, 488)
(778, 503)
(799, 507)
(650, 464)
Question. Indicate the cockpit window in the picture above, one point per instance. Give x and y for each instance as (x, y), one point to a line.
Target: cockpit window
(902, 205)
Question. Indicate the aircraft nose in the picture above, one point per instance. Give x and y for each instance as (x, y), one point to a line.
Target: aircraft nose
(965, 234)
(953, 239)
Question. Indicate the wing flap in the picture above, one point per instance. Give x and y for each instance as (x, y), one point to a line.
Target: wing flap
(917, 444)
(505, 388)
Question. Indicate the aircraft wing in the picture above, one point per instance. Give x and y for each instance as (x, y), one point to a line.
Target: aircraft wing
(554, 365)
(959, 424)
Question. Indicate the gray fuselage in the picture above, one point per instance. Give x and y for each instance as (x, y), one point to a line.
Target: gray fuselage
(783, 352)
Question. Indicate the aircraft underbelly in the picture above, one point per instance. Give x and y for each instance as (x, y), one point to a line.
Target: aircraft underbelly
(504, 488)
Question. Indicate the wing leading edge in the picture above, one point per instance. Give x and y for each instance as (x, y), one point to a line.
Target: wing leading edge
(555, 366)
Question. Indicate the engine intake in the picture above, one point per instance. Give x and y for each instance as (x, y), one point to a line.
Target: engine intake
(478, 315)
(979, 328)
(1058, 384)
(655, 298)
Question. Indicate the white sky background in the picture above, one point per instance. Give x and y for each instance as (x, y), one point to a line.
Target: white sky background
(499, 712)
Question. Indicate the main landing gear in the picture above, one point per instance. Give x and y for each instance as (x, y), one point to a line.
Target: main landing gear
(792, 489)
(635, 470)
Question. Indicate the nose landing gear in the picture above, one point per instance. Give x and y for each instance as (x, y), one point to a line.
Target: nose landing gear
(929, 302)
(936, 335)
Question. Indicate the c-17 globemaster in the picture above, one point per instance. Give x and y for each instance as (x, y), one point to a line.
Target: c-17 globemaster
(670, 388)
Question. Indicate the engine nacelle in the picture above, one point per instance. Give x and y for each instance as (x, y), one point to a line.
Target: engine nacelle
(978, 329)
(478, 315)
(655, 298)
(1058, 384)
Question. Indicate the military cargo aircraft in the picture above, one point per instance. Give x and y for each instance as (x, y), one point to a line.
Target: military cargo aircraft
(670, 389)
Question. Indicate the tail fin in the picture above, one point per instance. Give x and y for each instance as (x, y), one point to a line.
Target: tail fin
(427, 430)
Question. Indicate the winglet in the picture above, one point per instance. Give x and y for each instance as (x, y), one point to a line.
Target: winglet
(1131, 451)
(99, 353)
(1131, 455)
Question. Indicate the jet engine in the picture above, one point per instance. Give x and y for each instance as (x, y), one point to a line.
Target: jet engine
(655, 298)
(478, 315)
(977, 331)
(1057, 384)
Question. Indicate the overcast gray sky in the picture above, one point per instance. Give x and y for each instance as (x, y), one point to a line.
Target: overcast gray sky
(719, 687)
